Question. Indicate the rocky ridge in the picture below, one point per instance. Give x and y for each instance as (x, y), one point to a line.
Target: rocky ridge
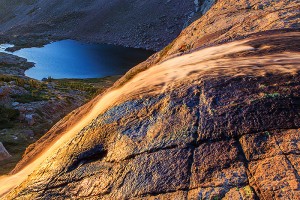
(215, 123)
(113, 22)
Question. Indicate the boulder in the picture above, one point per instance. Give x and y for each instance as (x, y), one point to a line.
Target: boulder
(14, 104)
(29, 119)
(220, 122)
(3, 153)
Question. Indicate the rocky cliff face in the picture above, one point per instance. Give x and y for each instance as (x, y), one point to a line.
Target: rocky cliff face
(147, 24)
(219, 122)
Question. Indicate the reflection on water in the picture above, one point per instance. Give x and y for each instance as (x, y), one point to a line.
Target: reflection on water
(72, 59)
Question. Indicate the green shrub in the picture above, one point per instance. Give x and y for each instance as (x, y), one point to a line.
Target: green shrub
(77, 85)
(27, 98)
(22, 81)
(50, 79)
(273, 95)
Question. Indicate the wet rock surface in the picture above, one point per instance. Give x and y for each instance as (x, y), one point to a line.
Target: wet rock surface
(231, 136)
(228, 130)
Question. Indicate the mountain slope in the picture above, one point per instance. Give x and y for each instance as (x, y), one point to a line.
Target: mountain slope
(138, 23)
(173, 136)
(217, 122)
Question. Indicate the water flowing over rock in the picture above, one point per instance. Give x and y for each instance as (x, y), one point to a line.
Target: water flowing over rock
(192, 122)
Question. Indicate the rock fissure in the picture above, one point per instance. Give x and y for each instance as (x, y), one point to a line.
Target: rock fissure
(160, 193)
(256, 189)
(194, 145)
(93, 155)
(190, 165)
(195, 135)
(133, 156)
(287, 158)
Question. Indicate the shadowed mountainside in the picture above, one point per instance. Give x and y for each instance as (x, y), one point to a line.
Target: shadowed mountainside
(188, 123)
(145, 24)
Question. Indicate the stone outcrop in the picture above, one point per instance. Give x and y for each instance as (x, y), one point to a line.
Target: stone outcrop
(231, 20)
(218, 123)
(10, 64)
(3, 152)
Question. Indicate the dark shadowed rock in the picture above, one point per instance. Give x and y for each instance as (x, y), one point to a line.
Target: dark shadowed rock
(3, 152)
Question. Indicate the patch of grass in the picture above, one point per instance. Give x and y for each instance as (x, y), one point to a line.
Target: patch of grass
(91, 86)
(267, 133)
(20, 81)
(35, 84)
(265, 96)
(216, 198)
(7, 78)
(273, 95)
(261, 86)
(27, 98)
(248, 190)
(166, 49)
(76, 85)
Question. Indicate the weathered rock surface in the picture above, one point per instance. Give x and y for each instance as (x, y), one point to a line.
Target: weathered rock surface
(14, 65)
(3, 152)
(231, 19)
(220, 122)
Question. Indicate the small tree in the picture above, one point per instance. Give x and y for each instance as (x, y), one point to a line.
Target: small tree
(49, 79)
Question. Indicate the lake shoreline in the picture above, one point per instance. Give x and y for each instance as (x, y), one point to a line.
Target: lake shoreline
(37, 104)
(74, 59)
(32, 106)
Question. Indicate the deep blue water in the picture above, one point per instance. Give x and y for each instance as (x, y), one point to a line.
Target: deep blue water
(73, 59)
